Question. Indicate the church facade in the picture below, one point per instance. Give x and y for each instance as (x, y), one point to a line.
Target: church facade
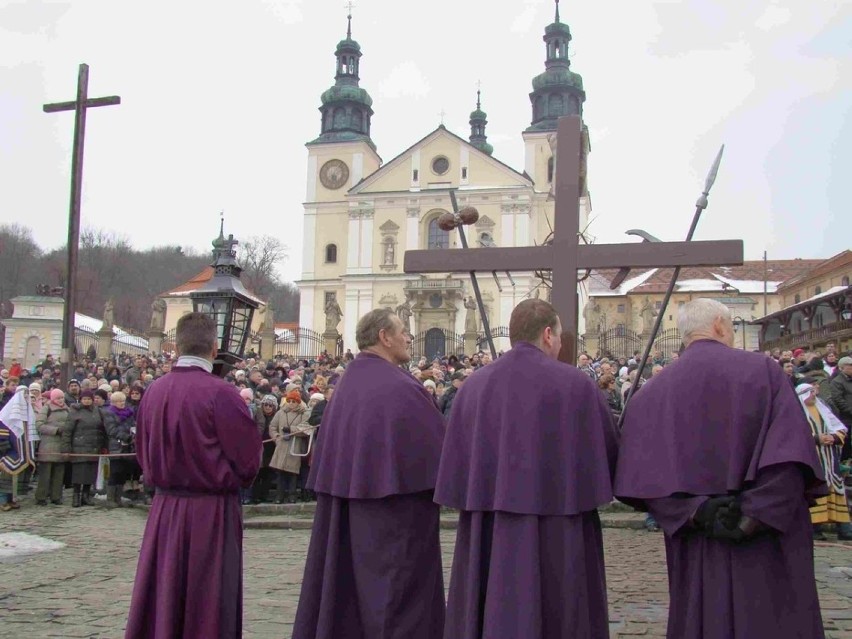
(361, 214)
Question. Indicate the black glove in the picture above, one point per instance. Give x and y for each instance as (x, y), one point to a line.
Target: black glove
(705, 517)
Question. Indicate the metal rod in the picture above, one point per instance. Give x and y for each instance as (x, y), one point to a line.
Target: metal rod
(474, 282)
(70, 310)
(699, 207)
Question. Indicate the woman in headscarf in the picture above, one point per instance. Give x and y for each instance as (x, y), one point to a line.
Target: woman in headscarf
(829, 434)
(84, 437)
(50, 423)
(120, 425)
(263, 419)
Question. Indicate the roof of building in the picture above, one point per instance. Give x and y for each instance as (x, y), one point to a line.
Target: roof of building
(822, 267)
(195, 282)
(87, 323)
(746, 278)
(834, 291)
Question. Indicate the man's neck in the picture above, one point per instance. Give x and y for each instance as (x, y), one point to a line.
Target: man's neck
(192, 360)
(381, 353)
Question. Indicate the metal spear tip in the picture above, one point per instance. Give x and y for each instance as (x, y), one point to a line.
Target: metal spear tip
(714, 170)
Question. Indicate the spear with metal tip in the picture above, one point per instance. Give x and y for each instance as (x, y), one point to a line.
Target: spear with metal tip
(700, 205)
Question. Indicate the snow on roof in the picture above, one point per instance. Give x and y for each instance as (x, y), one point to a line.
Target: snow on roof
(625, 287)
(86, 323)
(749, 286)
(831, 291)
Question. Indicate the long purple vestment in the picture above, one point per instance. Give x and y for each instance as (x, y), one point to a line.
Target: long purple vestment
(721, 422)
(198, 445)
(374, 563)
(528, 458)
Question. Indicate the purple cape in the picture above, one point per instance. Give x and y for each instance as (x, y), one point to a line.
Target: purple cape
(197, 445)
(528, 435)
(722, 421)
(708, 423)
(381, 434)
(528, 457)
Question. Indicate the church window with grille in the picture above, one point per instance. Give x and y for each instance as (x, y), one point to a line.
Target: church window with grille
(550, 169)
(438, 238)
(331, 254)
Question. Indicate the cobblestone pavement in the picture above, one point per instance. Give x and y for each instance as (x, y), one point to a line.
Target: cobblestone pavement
(83, 589)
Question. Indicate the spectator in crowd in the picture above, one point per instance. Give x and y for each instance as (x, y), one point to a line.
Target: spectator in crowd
(51, 422)
(613, 398)
(446, 404)
(585, 365)
(84, 438)
(841, 398)
(289, 422)
(263, 418)
(120, 425)
(9, 388)
(72, 394)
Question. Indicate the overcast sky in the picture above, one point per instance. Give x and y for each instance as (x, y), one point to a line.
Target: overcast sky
(219, 98)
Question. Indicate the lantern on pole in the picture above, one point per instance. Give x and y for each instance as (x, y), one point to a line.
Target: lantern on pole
(224, 298)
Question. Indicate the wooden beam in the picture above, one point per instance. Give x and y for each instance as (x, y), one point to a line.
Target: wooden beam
(596, 256)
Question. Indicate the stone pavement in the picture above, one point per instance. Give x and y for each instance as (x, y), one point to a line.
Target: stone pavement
(83, 589)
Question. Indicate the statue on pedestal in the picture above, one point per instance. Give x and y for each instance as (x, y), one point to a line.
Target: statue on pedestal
(158, 315)
(333, 315)
(470, 323)
(647, 313)
(592, 315)
(109, 316)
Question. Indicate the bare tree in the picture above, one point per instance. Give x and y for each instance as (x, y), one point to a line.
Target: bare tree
(259, 256)
(19, 255)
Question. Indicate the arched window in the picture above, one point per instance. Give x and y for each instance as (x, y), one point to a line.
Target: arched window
(550, 170)
(356, 119)
(437, 237)
(818, 290)
(556, 106)
(331, 254)
(844, 281)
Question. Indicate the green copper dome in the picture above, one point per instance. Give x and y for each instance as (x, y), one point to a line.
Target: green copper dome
(478, 121)
(339, 93)
(557, 29)
(557, 77)
(346, 108)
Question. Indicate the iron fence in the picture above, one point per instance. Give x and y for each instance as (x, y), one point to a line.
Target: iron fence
(302, 343)
(437, 342)
(619, 341)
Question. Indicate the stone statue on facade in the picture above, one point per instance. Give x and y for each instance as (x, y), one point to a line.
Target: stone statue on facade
(109, 315)
(389, 253)
(404, 312)
(470, 323)
(647, 313)
(592, 314)
(158, 315)
(333, 315)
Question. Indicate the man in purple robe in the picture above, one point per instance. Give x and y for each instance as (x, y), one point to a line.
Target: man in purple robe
(374, 563)
(717, 449)
(528, 458)
(197, 445)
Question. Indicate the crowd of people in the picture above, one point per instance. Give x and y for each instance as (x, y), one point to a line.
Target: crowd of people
(94, 416)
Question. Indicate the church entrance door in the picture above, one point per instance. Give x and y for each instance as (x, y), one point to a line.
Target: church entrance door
(32, 352)
(435, 344)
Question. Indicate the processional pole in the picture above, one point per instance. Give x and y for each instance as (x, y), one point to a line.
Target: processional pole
(457, 220)
(700, 205)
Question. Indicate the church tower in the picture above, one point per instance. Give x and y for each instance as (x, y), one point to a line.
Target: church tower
(556, 92)
(478, 120)
(342, 155)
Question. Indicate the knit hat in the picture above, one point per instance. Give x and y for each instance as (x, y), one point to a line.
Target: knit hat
(845, 361)
(247, 393)
(429, 384)
(72, 382)
(105, 388)
(104, 395)
(269, 399)
(87, 393)
(317, 397)
(293, 395)
(798, 352)
(35, 386)
(56, 394)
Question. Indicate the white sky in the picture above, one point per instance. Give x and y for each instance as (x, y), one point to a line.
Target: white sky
(219, 98)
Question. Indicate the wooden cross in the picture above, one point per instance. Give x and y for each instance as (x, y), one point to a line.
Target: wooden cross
(565, 256)
(79, 106)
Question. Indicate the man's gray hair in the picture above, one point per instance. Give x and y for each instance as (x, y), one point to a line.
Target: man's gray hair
(698, 316)
(369, 327)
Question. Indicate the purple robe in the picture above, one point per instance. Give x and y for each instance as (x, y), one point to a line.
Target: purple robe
(719, 422)
(197, 445)
(528, 458)
(373, 569)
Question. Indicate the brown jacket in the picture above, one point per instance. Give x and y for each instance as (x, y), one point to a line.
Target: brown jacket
(292, 423)
(50, 422)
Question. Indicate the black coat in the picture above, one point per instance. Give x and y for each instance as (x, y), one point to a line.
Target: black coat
(84, 433)
(119, 433)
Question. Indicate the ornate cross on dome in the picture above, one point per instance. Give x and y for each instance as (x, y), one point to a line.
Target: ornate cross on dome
(564, 255)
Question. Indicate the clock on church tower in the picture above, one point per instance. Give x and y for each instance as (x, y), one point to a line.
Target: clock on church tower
(334, 174)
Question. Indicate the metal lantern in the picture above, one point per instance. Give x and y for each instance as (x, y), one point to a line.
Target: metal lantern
(224, 298)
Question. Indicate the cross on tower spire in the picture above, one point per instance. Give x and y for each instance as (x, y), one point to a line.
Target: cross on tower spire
(557, 10)
(349, 6)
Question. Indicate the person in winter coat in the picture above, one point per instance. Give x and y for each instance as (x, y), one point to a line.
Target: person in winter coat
(120, 426)
(50, 423)
(84, 435)
(289, 422)
(263, 419)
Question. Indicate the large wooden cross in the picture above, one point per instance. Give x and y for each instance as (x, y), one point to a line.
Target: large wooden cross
(79, 106)
(565, 256)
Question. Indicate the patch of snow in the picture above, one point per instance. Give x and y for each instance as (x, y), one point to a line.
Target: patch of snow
(16, 545)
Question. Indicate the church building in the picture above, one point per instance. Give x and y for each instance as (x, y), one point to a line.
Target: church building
(362, 214)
